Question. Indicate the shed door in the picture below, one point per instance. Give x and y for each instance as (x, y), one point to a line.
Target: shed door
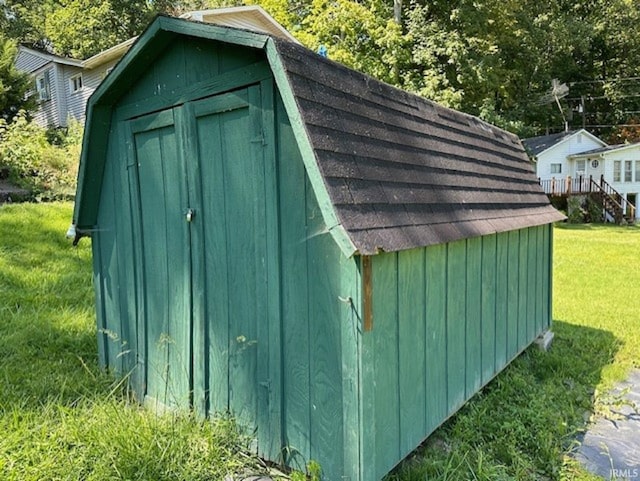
(231, 161)
(204, 313)
(163, 275)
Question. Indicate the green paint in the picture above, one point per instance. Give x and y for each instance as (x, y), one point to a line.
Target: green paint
(255, 306)
(488, 311)
(338, 232)
(386, 348)
(436, 408)
(456, 324)
(473, 316)
(412, 307)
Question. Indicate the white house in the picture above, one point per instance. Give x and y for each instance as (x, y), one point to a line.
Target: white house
(63, 85)
(551, 154)
(620, 166)
(579, 162)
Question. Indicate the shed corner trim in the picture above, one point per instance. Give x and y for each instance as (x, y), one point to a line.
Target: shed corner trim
(329, 215)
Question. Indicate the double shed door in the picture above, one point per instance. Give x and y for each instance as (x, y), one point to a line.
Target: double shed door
(202, 187)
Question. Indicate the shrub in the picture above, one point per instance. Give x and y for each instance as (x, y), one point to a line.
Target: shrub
(48, 170)
(575, 211)
(594, 210)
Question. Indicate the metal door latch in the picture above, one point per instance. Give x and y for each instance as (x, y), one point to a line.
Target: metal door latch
(189, 215)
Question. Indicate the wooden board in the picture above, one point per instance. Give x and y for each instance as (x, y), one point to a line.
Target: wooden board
(386, 390)
(489, 307)
(456, 324)
(473, 315)
(513, 278)
(436, 379)
(164, 265)
(412, 309)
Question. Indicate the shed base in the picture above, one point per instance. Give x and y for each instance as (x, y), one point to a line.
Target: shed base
(543, 341)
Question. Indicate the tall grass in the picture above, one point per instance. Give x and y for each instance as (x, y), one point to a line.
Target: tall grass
(61, 417)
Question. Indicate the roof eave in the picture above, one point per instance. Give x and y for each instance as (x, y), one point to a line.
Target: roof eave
(115, 52)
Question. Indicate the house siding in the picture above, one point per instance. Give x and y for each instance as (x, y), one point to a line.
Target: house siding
(47, 113)
(624, 188)
(76, 101)
(28, 62)
(558, 155)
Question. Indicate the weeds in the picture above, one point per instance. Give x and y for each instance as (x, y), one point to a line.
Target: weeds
(61, 416)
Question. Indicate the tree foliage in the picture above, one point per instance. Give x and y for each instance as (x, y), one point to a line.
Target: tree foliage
(14, 85)
(493, 58)
(47, 169)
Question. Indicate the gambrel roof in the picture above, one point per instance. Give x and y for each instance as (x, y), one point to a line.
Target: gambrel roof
(391, 170)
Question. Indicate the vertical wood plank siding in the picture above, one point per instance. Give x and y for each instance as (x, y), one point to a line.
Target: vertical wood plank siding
(319, 289)
(447, 318)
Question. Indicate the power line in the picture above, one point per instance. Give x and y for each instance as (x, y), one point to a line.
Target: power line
(603, 81)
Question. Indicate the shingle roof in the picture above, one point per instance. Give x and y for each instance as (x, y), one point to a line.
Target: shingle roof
(392, 170)
(404, 172)
(607, 148)
(535, 145)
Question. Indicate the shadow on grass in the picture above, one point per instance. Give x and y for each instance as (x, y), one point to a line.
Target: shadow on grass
(600, 226)
(524, 422)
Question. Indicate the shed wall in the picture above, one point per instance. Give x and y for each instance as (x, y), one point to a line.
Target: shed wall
(316, 384)
(446, 319)
(319, 326)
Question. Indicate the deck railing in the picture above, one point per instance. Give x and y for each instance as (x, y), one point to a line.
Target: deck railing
(613, 201)
(568, 185)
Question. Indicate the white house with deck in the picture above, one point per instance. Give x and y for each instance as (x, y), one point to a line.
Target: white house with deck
(578, 162)
(63, 85)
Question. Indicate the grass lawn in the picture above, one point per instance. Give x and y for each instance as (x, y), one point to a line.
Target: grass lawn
(61, 418)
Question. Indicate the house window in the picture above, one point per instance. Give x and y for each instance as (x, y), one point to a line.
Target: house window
(617, 170)
(581, 166)
(75, 83)
(556, 168)
(637, 170)
(627, 171)
(42, 86)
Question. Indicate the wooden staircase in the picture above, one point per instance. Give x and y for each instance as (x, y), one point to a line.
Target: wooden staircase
(616, 207)
(614, 203)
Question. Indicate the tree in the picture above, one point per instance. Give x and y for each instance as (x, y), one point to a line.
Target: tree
(14, 85)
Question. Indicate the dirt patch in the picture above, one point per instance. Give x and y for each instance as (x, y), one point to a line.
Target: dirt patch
(11, 193)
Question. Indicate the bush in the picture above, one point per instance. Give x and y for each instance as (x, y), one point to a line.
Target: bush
(594, 210)
(48, 170)
(575, 211)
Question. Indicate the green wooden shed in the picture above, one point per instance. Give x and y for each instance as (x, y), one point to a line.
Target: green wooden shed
(338, 263)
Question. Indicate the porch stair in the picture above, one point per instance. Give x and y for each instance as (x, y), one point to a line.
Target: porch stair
(614, 204)
(616, 207)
